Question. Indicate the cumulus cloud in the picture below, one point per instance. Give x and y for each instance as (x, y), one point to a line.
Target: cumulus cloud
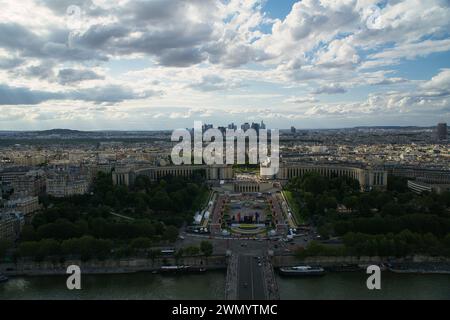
(339, 53)
(192, 50)
(439, 83)
(14, 96)
(42, 71)
(301, 100)
(10, 63)
(70, 76)
(184, 33)
(388, 81)
(108, 94)
(432, 96)
(16, 38)
(214, 83)
(330, 89)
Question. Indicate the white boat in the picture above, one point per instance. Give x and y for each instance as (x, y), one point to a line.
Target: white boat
(3, 278)
(175, 268)
(302, 271)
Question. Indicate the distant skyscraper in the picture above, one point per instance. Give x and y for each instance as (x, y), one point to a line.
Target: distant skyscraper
(206, 127)
(293, 130)
(245, 126)
(232, 126)
(442, 131)
(255, 126)
(263, 125)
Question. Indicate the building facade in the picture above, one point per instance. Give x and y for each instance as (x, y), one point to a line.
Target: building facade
(32, 183)
(421, 187)
(62, 185)
(251, 186)
(25, 205)
(442, 131)
(368, 178)
(11, 223)
(126, 176)
(427, 175)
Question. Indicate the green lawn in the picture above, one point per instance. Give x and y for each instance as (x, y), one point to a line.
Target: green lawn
(202, 200)
(293, 204)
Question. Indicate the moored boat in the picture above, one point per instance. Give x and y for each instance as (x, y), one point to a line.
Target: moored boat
(175, 269)
(3, 278)
(302, 271)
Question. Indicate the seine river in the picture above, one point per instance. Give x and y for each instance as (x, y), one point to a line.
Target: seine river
(211, 286)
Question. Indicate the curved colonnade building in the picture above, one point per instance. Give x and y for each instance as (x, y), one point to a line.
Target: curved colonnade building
(368, 178)
(126, 176)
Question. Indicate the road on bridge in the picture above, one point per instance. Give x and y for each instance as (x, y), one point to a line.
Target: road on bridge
(250, 279)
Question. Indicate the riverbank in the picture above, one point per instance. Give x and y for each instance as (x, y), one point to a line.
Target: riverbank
(413, 264)
(122, 266)
(421, 268)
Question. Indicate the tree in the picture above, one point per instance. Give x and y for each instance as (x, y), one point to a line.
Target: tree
(48, 247)
(154, 254)
(28, 233)
(28, 249)
(392, 209)
(191, 251)
(206, 248)
(314, 248)
(59, 230)
(350, 202)
(325, 230)
(4, 247)
(325, 202)
(398, 184)
(314, 183)
(85, 247)
(160, 201)
(178, 255)
(141, 243)
(142, 183)
(102, 248)
(446, 243)
(171, 233)
(70, 247)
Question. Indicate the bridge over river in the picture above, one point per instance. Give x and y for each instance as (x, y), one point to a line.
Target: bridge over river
(250, 278)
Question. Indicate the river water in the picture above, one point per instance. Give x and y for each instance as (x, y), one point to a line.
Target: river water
(211, 286)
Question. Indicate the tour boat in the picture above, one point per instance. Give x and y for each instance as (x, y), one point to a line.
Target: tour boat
(302, 271)
(3, 278)
(175, 268)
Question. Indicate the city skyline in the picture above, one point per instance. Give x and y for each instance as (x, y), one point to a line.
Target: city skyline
(153, 65)
(225, 126)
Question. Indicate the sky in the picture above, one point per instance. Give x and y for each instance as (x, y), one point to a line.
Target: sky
(163, 64)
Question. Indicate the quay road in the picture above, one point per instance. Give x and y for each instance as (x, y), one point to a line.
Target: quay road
(250, 279)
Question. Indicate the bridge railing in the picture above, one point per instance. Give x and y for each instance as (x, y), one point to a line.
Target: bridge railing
(231, 284)
(270, 283)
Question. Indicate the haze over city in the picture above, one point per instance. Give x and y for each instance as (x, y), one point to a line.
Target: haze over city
(151, 65)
